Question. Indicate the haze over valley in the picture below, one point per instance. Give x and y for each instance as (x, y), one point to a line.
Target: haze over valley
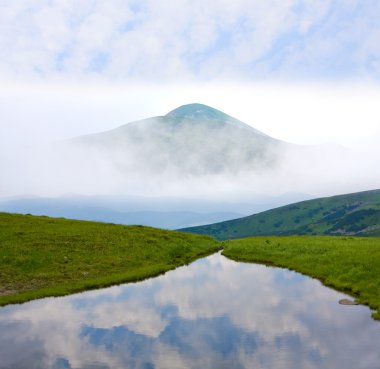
(212, 166)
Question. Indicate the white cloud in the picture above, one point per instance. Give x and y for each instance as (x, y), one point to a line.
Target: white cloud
(171, 41)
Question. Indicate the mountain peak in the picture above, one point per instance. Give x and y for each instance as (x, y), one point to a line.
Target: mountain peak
(203, 112)
(197, 111)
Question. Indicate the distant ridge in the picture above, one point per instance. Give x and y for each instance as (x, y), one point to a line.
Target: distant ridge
(355, 214)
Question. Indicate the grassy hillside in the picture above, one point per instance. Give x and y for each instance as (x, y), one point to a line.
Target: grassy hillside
(353, 214)
(41, 256)
(348, 264)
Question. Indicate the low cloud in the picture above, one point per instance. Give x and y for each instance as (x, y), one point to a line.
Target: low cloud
(190, 161)
(215, 169)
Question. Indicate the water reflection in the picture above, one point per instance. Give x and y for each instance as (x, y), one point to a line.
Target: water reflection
(215, 313)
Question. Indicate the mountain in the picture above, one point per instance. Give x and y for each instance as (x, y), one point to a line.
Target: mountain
(194, 150)
(191, 141)
(131, 212)
(162, 212)
(356, 214)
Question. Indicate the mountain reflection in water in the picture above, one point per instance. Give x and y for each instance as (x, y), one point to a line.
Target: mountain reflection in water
(214, 313)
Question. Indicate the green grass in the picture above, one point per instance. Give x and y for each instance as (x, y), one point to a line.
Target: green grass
(353, 214)
(41, 256)
(348, 264)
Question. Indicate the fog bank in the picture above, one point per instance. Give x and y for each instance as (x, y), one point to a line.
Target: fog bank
(36, 120)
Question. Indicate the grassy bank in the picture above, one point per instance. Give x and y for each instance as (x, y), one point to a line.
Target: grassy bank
(41, 256)
(351, 265)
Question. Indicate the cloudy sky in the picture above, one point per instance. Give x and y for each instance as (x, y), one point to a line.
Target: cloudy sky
(120, 41)
(304, 71)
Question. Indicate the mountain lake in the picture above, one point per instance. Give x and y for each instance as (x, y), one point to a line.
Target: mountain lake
(214, 313)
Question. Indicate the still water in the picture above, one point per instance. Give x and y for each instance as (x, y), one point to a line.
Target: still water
(214, 313)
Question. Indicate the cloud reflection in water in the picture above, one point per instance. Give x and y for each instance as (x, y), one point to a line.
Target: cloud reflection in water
(215, 313)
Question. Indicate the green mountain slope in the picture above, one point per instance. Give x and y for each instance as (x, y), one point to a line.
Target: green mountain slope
(41, 256)
(353, 214)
